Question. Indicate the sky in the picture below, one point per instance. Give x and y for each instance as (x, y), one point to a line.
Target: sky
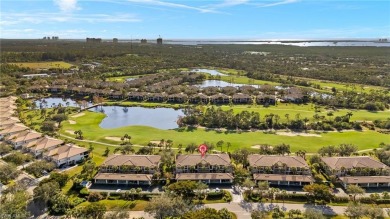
(196, 19)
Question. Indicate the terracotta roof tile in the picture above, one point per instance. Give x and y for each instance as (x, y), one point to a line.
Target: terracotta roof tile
(257, 160)
(194, 159)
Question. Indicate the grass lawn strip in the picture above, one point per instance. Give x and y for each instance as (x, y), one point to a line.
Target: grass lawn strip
(36, 65)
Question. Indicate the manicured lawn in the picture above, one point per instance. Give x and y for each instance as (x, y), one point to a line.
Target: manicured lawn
(307, 110)
(137, 205)
(121, 78)
(36, 65)
(89, 124)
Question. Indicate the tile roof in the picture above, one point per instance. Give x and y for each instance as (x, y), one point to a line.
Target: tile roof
(132, 160)
(283, 177)
(25, 135)
(6, 121)
(257, 160)
(121, 176)
(7, 107)
(203, 176)
(43, 143)
(65, 151)
(194, 159)
(337, 163)
(6, 115)
(365, 179)
(17, 127)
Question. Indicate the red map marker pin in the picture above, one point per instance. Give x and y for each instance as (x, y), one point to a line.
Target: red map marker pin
(202, 149)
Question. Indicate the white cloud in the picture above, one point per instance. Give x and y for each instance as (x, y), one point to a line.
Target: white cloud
(171, 5)
(9, 19)
(277, 3)
(230, 3)
(67, 5)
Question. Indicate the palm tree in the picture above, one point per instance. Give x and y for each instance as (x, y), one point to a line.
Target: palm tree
(349, 114)
(305, 120)
(263, 186)
(228, 144)
(283, 194)
(287, 117)
(220, 144)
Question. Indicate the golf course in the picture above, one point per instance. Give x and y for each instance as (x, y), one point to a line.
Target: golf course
(88, 122)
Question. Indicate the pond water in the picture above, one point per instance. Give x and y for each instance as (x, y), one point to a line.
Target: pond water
(209, 71)
(217, 83)
(50, 102)
(118, 116)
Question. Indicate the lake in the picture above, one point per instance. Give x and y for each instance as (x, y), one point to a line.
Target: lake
(208, 71)
(50, 102)
(217, 83)
(118, 116)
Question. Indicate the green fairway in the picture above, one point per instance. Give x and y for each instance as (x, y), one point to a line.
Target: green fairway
(89, 124)
(308, 110)
(36, 65)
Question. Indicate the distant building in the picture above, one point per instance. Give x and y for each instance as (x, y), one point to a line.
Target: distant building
(115, 40)
(159, 41)
(144, 41)
(94, 40)
(36, 75)
(52, 38)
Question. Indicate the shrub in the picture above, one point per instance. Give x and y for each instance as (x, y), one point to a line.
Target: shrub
(382, 201)
(338, 199)
(214, 195)
(84, 192)
(76, 201)
(94, 197)
(104, 194)
(227, 196)
(18, 158)
(38, 167)
(115, 194)
(366, 200)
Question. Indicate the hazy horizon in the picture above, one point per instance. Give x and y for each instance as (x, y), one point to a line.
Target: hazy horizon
(208, 19)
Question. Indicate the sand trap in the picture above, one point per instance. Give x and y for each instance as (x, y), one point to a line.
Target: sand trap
(156, 142)
(78, 115)
(297, 134)
(113, 138)
(258, 146)
(72, 122)
(70, 131)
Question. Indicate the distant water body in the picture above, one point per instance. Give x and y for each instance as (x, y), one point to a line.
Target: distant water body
(290, 43)
(300, 44)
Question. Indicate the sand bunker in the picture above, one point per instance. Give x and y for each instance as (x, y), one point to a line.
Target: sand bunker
(70, 131)
(78, 115)
(113, 138)
(72, 122)
(298, 134)
(156, 142)
(258, 146)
